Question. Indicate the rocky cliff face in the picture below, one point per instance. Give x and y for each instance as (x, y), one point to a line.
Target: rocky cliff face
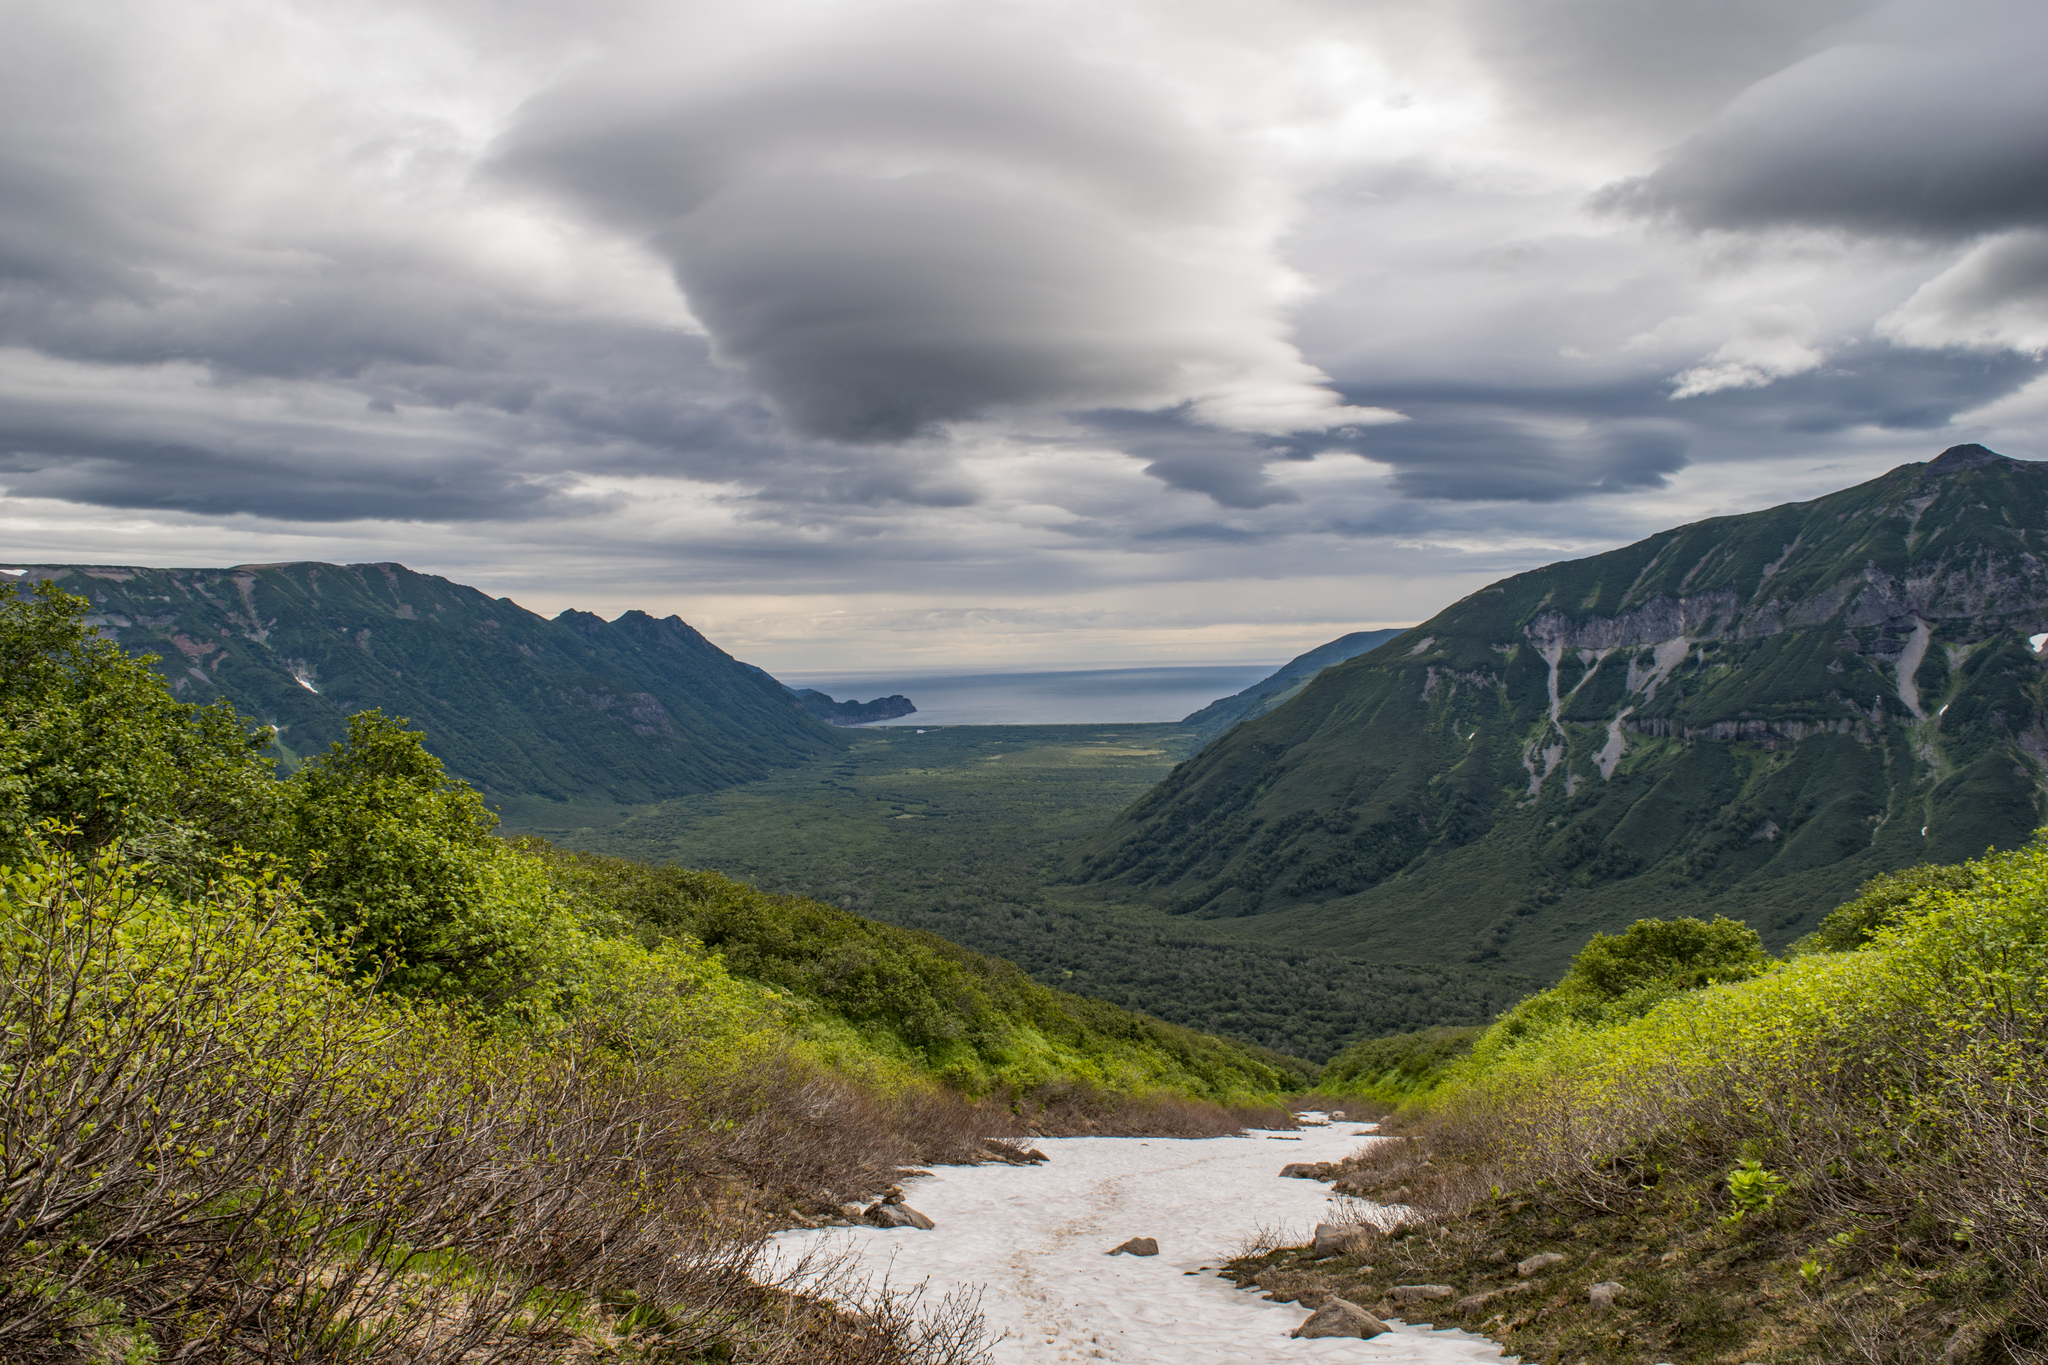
(635, 709)
(1747, 715)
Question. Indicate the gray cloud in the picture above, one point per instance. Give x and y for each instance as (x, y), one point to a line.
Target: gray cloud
(1032, 301)
(1932, 121)
(932, 220)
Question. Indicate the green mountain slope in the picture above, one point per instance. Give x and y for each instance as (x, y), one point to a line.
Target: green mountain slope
(636, 709)
(1282, 684)
(1748, 716)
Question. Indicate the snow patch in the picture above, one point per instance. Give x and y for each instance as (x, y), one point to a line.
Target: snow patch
(1032, 1239)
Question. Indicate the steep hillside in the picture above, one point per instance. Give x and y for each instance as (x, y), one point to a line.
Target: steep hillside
(636, 709)
(1283, 683)
(1748, 715)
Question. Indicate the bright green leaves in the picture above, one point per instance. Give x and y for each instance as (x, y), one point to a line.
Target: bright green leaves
(402, 864)
(1665, 955)
(90, 737)
(1753, 1188)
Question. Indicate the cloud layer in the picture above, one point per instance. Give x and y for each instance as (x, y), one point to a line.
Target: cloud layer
(1286, 321)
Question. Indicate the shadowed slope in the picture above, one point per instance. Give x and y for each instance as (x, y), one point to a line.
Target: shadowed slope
(1751, 715)
(636, 709)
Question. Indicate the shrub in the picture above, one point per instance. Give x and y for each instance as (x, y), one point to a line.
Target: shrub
(216, 1148)
(90, 737)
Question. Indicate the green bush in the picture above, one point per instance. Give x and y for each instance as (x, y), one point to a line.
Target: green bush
(91, 738)
(1396, 1068)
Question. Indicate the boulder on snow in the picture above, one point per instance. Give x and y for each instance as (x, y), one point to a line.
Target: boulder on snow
(897, 1215)
(1340, 1318)
(1137, 1246)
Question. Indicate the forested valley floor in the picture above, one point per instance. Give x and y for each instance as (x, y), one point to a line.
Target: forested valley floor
(964, 831)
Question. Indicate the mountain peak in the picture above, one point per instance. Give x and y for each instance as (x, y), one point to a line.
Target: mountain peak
(1972, 456)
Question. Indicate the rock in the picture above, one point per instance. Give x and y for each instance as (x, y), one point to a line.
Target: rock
(1603, 1295)
(1309, 1170)
(897, 1215)
(1334, 1239)
(1340, 1318)
(1137, 1246)
(1337, 1113)
(1542, 1260)
(1419, 1293)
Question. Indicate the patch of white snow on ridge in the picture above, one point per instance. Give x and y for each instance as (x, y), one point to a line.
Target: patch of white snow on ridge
(2034, 642)
(1034, 1241)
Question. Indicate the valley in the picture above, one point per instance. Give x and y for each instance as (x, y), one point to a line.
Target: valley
(964, 832)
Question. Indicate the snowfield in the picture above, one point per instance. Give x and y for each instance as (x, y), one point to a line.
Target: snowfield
(1034, 1240)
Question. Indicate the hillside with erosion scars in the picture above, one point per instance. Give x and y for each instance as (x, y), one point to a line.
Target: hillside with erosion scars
(1748, 716)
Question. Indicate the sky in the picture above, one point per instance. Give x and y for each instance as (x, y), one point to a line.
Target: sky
(998, 335)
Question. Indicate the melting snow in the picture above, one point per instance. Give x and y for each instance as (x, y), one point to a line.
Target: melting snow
(1034, 1239)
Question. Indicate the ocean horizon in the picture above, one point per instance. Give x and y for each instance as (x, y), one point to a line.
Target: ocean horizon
(1076, 696)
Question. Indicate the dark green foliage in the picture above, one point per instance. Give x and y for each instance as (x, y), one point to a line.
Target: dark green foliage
(936, 997)
(1682, 954)
(1731, 736)
(1394, 1067)
(90, 738)
(393, 853)
(632, 710)
(963, 832)
(1884, 901)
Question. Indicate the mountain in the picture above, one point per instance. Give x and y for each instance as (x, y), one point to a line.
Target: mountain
(1746, 716)
(1281, 685)
(851, 712)
(631, 710)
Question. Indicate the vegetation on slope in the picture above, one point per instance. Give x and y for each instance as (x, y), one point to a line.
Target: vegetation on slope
(959, 830)
(1748, 716)
(632, 710)
(321, 1065)
(1282, 684)
(1837, 1156)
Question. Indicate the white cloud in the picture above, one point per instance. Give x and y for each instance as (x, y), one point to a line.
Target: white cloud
(1772, 343)
(1994, 298)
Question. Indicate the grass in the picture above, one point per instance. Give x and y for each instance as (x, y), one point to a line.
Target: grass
(966, 832)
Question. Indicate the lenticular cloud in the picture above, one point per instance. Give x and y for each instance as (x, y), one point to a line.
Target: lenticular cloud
(894, 230)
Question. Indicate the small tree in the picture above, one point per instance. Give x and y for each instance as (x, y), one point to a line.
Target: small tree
(400, 860)
(90, 737)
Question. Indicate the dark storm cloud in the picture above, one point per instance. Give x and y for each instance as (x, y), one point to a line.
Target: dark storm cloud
(911, 225)
(1469, 455)
(1933, 122)
(306, 485)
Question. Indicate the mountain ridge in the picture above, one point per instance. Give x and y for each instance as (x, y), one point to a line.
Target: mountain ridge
(635, 709)
(1744, 715)
(1282, 683)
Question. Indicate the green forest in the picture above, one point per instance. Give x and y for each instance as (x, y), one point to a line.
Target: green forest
(966, 833)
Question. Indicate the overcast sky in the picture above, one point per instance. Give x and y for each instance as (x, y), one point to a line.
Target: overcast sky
(873, 335)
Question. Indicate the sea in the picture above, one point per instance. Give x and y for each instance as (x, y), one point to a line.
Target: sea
(1082, 696)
